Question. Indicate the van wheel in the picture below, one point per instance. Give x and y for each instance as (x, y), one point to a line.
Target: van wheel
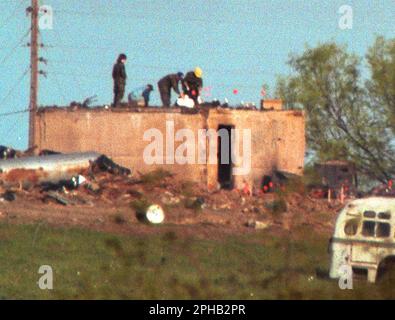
(386, 270)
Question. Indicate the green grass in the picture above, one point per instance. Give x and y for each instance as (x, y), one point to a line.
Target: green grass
(92, 265)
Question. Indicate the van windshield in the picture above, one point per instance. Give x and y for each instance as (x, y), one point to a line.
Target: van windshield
(374, 224)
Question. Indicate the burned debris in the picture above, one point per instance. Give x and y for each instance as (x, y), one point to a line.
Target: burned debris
(338, 180)
(55, 168)
(49, 168)
(7, 153)
(8, 196)
(86, 181)
(56, 177)
(384, 190)
(104, 163)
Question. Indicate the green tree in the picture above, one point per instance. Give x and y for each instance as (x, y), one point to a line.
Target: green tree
(381, 86)
(347, 118)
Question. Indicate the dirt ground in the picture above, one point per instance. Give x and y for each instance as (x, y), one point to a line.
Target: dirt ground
(190, 210)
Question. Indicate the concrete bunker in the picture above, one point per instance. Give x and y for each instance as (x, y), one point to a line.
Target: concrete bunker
(277, 140)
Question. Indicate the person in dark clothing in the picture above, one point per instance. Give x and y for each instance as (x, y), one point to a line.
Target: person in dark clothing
(193, 84)
(146, 93)
(119, 76)
(166, 84)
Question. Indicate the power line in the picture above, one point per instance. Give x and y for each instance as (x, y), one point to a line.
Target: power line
(6, 114)
(14, 86)
(166, 45)
(8, 19)
(11, 129)
(19, 80)
(84, 14)
(234, 85)
(156, 67)
(15, 47)
(57, 82)
(78, 74)
(77, 47)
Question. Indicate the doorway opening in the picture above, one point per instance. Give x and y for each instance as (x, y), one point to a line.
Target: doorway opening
(224, 157)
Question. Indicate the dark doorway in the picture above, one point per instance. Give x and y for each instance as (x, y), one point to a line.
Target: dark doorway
(224, 157)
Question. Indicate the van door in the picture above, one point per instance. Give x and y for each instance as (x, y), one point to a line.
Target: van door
(364, 252)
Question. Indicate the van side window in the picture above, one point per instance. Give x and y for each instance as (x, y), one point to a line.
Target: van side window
(369, 214)
(383, 230)
(351, 227)
(368, 228)
(385, 215)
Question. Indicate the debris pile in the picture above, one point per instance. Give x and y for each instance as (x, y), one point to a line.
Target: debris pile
(56, 177)
(384, 190)
(7, 153)
(95, 183)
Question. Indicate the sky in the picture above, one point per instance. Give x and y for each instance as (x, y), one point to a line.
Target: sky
(239, 44)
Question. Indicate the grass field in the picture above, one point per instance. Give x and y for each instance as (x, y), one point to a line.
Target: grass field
(92, 265)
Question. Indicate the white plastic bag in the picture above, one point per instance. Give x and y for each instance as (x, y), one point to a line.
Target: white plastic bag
(185, 102)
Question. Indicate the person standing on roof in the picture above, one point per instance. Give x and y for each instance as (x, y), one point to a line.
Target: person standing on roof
(119, 76)
(193, 84)
(166, 84)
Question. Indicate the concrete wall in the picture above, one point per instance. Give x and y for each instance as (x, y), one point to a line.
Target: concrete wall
(272, 104)
(278, 137)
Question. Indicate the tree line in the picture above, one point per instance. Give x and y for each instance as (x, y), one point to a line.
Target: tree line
(349, 102)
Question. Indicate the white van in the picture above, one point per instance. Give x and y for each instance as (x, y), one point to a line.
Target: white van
(364, 236)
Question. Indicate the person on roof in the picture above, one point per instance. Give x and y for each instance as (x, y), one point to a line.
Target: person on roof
(140, 96)
(165, 85)
(119, 76)
(193, 84)
(146, 94)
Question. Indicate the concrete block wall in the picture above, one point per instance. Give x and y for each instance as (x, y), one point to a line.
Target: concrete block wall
(278, 137)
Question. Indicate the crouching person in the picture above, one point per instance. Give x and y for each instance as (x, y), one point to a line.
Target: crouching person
(166, 84)
(193, 84)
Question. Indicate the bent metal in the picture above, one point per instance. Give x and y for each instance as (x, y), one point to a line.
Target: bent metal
(185, 153)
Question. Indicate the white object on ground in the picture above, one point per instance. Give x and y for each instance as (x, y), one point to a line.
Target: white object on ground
(155, 214)
(81, 180)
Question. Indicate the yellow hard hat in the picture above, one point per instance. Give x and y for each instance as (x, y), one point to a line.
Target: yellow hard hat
(198, 72)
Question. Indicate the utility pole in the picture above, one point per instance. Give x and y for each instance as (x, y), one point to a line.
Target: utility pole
(34, 71)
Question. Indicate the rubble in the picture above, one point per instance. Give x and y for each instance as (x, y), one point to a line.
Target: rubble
(170, 199)
(7, 153)
(384, 190)
(259, 225)
(195, 203)
(79, 181)
(48, 152)
(65, 179)
(41, 169)
(106, 164)
(55, 196)
(8, 196)
(56, 168)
